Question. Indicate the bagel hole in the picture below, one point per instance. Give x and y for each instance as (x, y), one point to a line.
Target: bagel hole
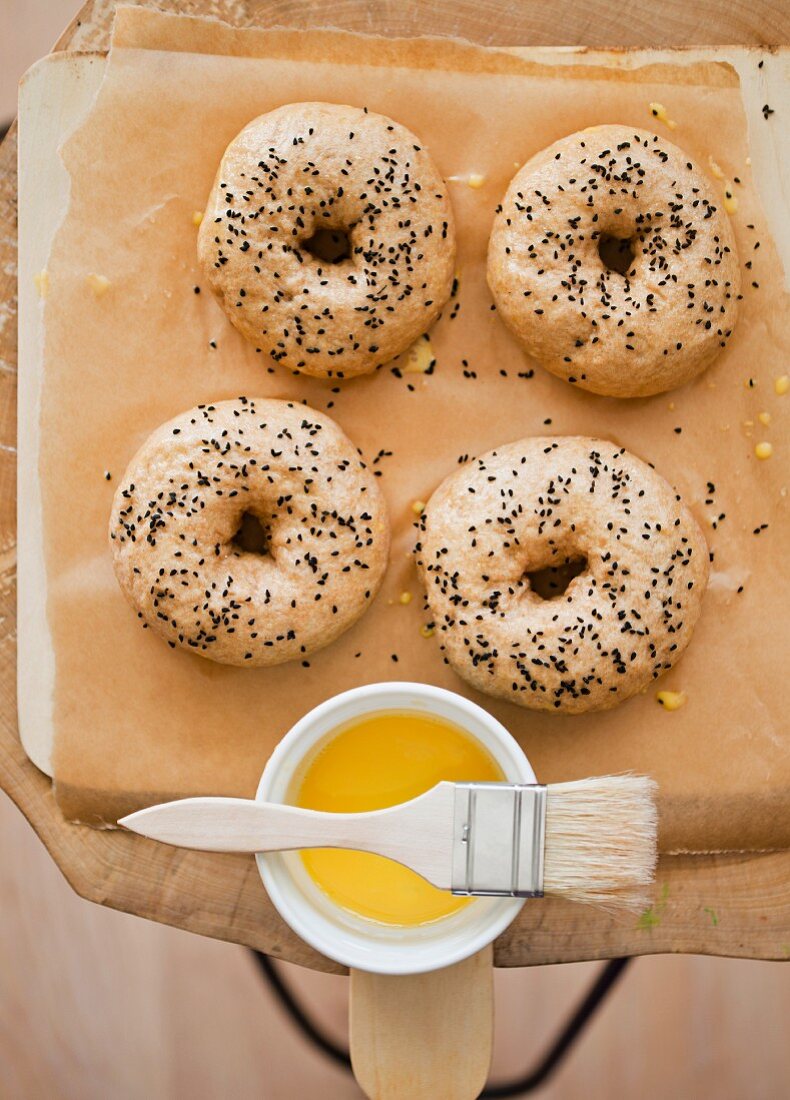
(252, 536)
(331, 246)
(552, 581)
(617, 253)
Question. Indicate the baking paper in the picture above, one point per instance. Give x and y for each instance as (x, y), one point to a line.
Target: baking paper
(136, 722)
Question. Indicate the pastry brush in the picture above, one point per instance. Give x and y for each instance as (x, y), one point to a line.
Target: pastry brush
(592, 840)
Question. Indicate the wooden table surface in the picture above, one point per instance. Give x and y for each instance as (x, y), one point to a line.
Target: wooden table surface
(732, 904)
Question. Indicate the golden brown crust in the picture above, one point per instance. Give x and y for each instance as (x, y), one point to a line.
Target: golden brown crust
(310, 167)
(655, 327)
(540, 503)
(181, 502)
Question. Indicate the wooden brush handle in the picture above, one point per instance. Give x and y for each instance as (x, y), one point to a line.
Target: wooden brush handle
(423, 1036)
(242, 825)
(416, 833)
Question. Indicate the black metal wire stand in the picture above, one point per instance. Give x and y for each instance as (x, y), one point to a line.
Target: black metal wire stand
(557, 1051)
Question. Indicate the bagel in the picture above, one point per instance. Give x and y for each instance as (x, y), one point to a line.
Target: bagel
(613, 264)
(178, 517)
(296, 190)
(542, 504)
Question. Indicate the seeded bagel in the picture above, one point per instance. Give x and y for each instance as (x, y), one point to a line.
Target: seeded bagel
(312, 180)
(499, 522)
(669, 313)
(177, 532)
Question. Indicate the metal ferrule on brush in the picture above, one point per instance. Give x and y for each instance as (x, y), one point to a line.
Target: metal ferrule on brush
(499, 836)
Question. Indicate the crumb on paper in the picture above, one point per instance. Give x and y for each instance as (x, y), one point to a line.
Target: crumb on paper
(420, 358)
(197, 217)
(99, 284)
(764, 418)
(763, 450)
(730, 203)
(42, 282)
(714, 919)
(405, 598)
(782, 385)
(659, 111)
(472, 179)
(671, 700)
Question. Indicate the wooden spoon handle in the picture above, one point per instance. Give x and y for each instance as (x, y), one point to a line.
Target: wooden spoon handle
(423, 1036)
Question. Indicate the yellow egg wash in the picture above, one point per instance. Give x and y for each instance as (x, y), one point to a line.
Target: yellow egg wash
(374, 762)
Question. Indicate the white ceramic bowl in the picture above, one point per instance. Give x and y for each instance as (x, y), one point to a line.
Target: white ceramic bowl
(343, 936)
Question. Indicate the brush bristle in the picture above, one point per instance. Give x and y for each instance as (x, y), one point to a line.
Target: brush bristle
(601, 840)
